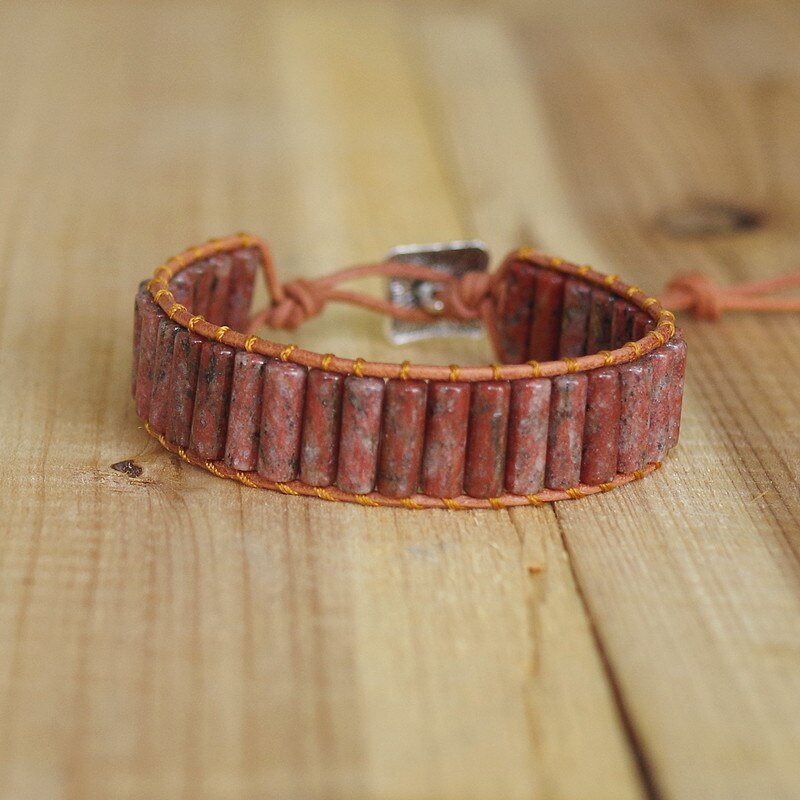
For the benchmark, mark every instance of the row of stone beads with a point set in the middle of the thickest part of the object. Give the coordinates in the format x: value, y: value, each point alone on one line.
x: 219, y: 287
x: 443, y: 438
x: 545, y: 315
x: 509, y: 431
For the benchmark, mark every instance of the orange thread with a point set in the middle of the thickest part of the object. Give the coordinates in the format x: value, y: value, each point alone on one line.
x: 572, y: 364
x: 358, y: 367
x: 454, y: 372
x: 637, y: 350
x: 608, y: 358
x: 412, y: 504
x: 404, y: 369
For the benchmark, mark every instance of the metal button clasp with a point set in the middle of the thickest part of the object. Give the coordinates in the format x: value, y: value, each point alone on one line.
x: 452, y: 258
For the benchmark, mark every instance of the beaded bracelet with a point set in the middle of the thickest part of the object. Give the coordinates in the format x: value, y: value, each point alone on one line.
x: 586, y: 394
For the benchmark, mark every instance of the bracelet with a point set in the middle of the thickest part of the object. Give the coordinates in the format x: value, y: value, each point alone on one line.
x: 586, y: 394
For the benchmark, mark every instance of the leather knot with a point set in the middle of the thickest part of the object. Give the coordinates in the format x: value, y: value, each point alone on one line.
x: 302, y: 299
x: 463, y: 297
x: 696, y: 293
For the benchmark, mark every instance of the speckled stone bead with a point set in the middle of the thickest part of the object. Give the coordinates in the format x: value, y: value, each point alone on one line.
x: 281, y: 420
x: 601, y: 426
x: 445, y: 438
x: 598, y: 335
x: 642, y: 323
x: 565, y: 434
x: 635, y: 380
x: 515, y: 313
x: 182, y: 386
x: 151, y: 316
x: 677, y: 346
x: 244, y: 417
x: 546, y: 316
x: 220, y: 293
x: 486, y: 439
x: 362, y: 404
x: 243, y: 273
x: 658, y: 422
x: 574, y: 320
x: 319, y: 449
x: 203, y: 288
x: 162, y: 373
x: 527, y: 435
x: 402, y: 437
x: 182, y: 288
x: 621, y: 323
x: 209, y: 419
x: 141, y: 294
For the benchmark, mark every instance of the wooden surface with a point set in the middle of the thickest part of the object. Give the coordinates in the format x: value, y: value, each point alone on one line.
x: 179, y: 636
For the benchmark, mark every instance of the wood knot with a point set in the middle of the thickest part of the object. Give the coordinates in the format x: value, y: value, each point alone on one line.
x: 128, y: 467
x: 709, y: 218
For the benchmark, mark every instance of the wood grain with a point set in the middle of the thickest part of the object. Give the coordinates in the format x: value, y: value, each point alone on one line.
x: 174, y: 635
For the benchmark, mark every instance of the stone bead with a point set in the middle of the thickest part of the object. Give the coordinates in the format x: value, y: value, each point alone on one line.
x: 182, y: 386
x: 210, y: 416
x: 621, y: 323
x: 601, y: 426
x: 641, y: 325
x: 243, y: 274
x: 598, y: 335
x: 162, y: 375
x: 402, y: 437
x: 319, y: 447
x: 182, y: 288
x: 565, y: 434
x: 486, y: 439
x: 445, y: 438
x: 515, y: 313
x: 244, y: 417
x: 635, y: 379
x: 281, y: 420
x: 574, y: 319
x: 677, y: 346
x: 141, y: 294
x: 546, y: 316
x: 151, y: 316
x: 527, y: 435
x: 203, y: 287
x: 217, y: 313
x: 660, y: 361
x: 362, y: 404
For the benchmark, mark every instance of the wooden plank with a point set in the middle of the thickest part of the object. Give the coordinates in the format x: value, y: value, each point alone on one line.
x: 691, y: 577
x: 174, y: 634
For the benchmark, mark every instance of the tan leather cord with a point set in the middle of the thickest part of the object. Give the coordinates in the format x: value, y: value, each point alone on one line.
x: 696, y: 293
x: 415, y: 501
x: 306, y: 297
x: 468, y: 297
x: 463, y: 298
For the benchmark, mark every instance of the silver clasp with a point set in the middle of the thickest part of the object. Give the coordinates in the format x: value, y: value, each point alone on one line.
x: 453, y: 258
